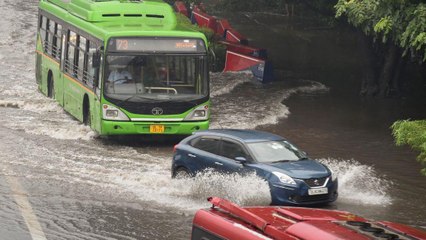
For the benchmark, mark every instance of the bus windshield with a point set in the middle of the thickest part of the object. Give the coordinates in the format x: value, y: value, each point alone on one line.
x: 138, y: 78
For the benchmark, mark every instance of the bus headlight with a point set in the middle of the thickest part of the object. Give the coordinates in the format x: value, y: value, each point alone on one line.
x: 200, y: 113
x: 113, y: 113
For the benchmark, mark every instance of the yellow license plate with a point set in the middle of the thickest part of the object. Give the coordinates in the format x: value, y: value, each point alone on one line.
x: 156, y: 128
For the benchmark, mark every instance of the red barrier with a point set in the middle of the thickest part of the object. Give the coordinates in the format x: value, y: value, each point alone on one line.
x: 245, y: 49
x: 181, y: 8
x: 203, y: 19
x: 260, y: 68
x: 239, y: 56
x: 232, y: 35
x: 222, y: 25
x: 238, y: 62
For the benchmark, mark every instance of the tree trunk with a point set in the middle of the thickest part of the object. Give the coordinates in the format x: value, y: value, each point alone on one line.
x: 396, y: 87
x: 369, y: 85
x: 386, y: 78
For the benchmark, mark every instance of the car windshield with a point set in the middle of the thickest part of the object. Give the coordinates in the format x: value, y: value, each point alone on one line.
x: 275, y: 151
x: 138, y: 78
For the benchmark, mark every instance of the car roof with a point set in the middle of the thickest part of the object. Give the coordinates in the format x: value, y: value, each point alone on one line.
x: 244, y: 135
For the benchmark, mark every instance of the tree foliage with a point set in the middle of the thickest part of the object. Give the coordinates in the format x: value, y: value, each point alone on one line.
x: 186, y: 22
x: 250, y: 5
x: 412, y: 133
x: 401, y: 21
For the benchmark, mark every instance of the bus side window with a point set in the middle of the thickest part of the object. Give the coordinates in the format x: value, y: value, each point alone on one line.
x: 70, y: 57
x: 93, y: 69
x: 82, y: 59
x: 50, y: 34
x: 43, y: 28
x: 56, y: 49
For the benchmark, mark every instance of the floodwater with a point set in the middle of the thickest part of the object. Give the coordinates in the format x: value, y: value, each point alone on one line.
x: 81, y: 186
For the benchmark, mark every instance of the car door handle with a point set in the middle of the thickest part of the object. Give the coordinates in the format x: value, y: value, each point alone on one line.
x: 218, y: 163
x: 191, y: 155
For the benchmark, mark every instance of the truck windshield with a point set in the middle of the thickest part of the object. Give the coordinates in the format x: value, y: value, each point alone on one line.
x: 141, y: 77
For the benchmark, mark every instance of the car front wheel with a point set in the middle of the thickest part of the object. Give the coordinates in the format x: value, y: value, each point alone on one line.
x: 182, y: 173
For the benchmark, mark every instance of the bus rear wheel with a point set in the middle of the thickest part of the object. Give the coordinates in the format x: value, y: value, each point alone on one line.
x: 50, y: 86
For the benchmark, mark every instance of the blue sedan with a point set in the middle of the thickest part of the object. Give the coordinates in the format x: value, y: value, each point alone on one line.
x: 293, y: 178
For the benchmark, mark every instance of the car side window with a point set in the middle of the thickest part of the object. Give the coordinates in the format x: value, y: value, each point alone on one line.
x: 232, y: 150
x: 210, y: 145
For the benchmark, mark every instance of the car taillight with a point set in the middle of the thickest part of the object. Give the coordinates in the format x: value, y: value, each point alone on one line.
x: 174, y: 148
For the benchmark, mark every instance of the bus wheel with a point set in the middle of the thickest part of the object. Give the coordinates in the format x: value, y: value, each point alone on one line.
x: 86, y: 112
x: 50, y: 86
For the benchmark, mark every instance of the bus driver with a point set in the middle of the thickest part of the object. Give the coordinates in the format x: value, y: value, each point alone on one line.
x: 119, y: 75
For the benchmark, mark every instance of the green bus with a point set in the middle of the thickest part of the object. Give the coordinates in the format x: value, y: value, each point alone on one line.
x: 123, y: 66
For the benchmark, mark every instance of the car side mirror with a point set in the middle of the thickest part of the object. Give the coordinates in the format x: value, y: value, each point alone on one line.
x: 241, y: 160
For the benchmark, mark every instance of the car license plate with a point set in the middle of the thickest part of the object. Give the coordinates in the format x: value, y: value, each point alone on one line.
x: 317, y: 191
x: 156, y: 128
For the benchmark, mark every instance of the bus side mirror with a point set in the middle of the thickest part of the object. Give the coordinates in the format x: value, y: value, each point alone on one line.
x: 96, y: 59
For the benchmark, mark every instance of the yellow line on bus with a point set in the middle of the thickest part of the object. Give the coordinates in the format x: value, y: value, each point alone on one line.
x: 66, y: 75
x: 50, y: 58
x: 77, y: 82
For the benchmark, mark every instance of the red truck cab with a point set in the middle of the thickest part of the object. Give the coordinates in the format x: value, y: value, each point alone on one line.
x: 226, y: 220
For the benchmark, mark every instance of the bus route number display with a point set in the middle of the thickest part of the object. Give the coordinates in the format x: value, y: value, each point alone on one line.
x: 157, y: 45
x: 122, y: 44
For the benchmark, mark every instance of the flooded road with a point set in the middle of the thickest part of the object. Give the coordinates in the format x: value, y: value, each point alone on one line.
x: 80, y: 186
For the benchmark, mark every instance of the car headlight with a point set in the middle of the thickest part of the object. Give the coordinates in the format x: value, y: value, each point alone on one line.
x: 284, y: 178
x: 113, y: 113
x: 199, y: 113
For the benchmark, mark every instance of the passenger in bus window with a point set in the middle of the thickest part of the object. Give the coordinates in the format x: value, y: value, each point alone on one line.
x: 119, y: 75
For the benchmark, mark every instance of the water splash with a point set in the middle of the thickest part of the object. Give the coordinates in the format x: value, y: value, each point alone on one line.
x: 11, y: 103
x: 256, y: 104
x: 223, y: 83
x: 46, y: 117
x: 42, y: 106
x: 359, y: 183
x: 74, y: 132
x: 191, y: 193
x: 242, y: 190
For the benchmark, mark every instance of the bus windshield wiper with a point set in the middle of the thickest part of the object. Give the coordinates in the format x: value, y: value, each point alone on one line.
x: 191, y: 101
x: 137, y: 96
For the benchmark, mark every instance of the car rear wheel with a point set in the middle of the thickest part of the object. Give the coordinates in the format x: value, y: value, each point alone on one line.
x: 181, y: 173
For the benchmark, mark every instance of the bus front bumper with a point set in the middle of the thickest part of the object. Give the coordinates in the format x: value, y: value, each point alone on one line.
x: 124, y: 128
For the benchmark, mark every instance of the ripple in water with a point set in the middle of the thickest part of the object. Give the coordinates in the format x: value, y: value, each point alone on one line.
x: 359, y: 183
